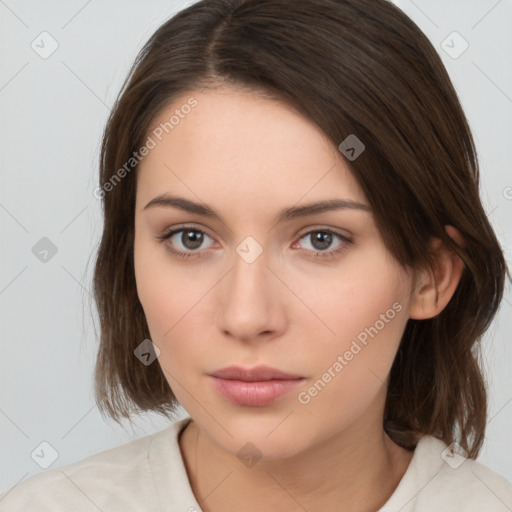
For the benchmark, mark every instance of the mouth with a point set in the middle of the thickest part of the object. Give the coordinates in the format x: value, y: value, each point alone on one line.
x: 257, y: 374
x: 255, y: 387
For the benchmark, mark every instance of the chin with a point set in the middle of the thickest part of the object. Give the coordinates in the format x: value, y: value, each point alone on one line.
x: 263, y: 438
x: 262, y: 449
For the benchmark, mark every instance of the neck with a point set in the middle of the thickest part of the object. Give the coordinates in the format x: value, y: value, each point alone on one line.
x: 358, y: 468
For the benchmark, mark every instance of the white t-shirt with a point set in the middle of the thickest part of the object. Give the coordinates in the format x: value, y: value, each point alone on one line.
x: 148, y: 475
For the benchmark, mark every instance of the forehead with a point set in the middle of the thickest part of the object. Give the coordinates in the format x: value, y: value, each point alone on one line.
x: 238, y: 146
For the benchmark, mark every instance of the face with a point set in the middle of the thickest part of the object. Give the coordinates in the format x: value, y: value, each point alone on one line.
x: 313, y: 294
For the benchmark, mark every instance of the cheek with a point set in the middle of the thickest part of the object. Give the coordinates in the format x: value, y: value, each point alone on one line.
x: 160, y: 288
x: 369, y: 289
x: 366, y: 314
x: 351, y: 370
x: 171, y: 298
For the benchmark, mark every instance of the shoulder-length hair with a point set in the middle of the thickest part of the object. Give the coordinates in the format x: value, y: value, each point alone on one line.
x: 353, y: 67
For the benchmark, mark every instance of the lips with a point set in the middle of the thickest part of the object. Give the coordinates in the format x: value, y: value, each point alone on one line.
x: 256, y: 387
x: 257, y: 374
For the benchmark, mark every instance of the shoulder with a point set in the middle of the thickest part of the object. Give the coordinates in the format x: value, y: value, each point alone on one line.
x: 472, y: 487
x: 440, y: 478
x: 112, y: 480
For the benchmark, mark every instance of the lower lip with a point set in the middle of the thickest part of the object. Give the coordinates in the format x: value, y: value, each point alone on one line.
x: 254, y: 394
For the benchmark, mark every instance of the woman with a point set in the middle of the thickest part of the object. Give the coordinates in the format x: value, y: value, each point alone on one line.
x: 295, y: 251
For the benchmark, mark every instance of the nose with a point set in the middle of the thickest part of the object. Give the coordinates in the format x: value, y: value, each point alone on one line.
x: 250, y: 305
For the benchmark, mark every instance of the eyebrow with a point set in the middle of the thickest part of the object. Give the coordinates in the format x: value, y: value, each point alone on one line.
x: 294, y: 212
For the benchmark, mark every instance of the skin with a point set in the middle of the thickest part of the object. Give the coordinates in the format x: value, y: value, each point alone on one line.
x: 247, y: 158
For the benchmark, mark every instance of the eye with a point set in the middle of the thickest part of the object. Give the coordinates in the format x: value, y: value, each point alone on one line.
x: 185, y: 241
x: 321, y: 241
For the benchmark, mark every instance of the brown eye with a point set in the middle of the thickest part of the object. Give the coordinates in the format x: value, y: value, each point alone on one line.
x: 321, y: 242
x: 184, y: 241
x: 191, y: 239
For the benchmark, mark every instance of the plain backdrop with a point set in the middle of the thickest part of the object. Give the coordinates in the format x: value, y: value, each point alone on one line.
x: 52, y: 112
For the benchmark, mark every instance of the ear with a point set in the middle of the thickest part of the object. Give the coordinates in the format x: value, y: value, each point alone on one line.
x: 433, y: 290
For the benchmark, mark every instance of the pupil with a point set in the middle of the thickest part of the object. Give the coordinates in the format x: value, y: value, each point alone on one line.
x: 324, y: 238
x: 192, y: 239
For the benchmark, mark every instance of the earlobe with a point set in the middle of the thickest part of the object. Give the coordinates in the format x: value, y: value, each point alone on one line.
x: 434, y: 288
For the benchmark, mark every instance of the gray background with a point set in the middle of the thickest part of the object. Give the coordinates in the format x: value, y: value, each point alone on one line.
x: 52, y: 113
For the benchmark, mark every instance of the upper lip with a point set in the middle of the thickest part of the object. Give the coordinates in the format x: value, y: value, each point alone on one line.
x: 259, y: 373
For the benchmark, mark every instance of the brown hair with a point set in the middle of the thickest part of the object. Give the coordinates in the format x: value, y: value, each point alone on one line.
x: 353, y: 67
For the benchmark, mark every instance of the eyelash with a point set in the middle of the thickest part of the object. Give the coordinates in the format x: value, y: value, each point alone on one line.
x: 321, y: 254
